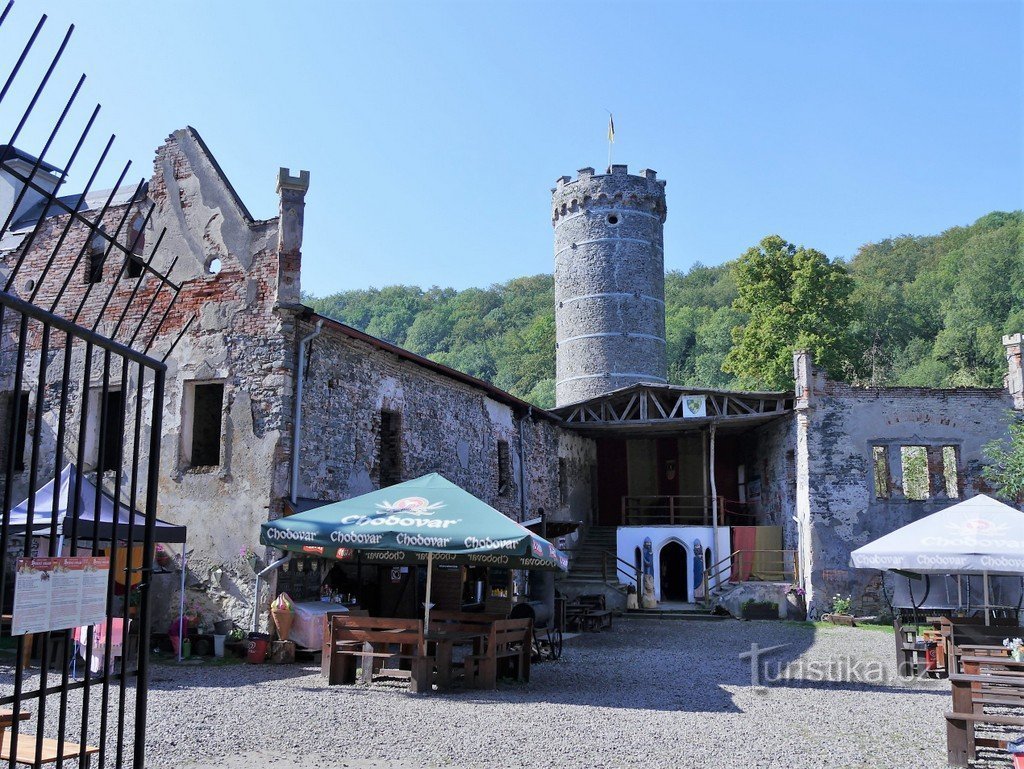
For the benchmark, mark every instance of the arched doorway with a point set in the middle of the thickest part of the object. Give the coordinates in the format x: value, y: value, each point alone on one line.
x: 674, y: 573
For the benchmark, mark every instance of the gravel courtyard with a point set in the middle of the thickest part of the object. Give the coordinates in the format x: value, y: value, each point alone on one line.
x: 646, y: 693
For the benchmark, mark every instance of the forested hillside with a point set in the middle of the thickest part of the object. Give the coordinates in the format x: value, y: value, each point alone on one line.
x: 925, y: 311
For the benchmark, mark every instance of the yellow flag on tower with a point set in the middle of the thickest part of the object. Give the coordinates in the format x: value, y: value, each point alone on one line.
x: 611, y: 128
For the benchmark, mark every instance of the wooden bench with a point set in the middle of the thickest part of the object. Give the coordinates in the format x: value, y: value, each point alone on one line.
x: 598, y: 619
x: 371, y: 639
x: 28, y: 746
x: 508, y: 642
x: 988, y: 680
x: 325, y: 644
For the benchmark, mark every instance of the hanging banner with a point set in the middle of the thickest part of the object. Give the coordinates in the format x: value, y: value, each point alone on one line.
x: 59, y: 593
x: 695, y: 406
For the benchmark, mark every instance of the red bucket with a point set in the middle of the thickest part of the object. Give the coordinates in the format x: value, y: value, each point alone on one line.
x: 1018, y: 761
x: 258, y: 643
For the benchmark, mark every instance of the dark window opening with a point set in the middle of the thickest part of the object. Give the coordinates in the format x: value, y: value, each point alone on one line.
x: 112, y: 415
x: 949, y: 471
x: 915, y: 471
x: 390, y: 448
x: 613, y: 219
x: 504, y: 468
x: 136, y: 243
x: 94, y: 267
x: 880, y: 460
x: 563, y: 483
x: 207, y: 410
x: 16, y: 416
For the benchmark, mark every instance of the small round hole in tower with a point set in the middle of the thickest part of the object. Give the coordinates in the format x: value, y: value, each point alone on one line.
x: 612, y: 219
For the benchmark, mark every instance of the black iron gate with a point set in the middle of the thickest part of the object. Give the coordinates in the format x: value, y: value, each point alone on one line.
x: 81, y: 399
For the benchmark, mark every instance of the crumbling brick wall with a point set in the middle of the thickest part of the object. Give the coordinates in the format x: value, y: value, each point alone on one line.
x: 224, y: 326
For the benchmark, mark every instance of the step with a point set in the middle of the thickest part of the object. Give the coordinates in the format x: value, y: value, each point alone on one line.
x: 691, y: 616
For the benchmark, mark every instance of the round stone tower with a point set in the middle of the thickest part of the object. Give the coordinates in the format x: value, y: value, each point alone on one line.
x: 609, y: 282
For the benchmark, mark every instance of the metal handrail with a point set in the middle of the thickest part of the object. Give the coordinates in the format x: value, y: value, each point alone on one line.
x: 633, y: 574
x: 713, y: 573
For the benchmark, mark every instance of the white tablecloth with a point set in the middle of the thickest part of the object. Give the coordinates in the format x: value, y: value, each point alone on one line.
x: 310, y: 621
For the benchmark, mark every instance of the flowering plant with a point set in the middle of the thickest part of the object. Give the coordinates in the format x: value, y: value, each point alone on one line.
x: 796, y: 590
x: 841, y: 605
x: 193, y: 611
x: 247, y: 554
x: 1016, y: 647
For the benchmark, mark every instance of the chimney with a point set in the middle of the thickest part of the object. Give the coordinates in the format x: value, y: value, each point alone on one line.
x: 1014, y: 379
x: 292, y: 190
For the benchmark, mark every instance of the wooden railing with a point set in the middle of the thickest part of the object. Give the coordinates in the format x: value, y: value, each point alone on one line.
x: 667, y: 510
x: 694, y: 510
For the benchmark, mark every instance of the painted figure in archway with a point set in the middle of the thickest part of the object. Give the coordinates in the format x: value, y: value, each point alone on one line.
x: 648, y: 601
x: 698, y: 570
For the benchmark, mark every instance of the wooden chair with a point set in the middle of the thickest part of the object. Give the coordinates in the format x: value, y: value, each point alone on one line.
x: 28, y: 746
x: 910, y: 653
x: 508, y: 641
x: 371, y: 640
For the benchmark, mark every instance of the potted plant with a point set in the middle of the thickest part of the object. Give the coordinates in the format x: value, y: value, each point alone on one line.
x: 760, y: 610
x: 134, y: 601
x: 840, y: 614
x: 796, y: 608
x: 163, y: 558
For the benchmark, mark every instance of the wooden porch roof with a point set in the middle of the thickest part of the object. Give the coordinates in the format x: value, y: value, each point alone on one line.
x: 661, y: 408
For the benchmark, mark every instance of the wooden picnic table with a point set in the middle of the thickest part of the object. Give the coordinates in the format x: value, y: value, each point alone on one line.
x: 989, y: 679
x: 444, y: 639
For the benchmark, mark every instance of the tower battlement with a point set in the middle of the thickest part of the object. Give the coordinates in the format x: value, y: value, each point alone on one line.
x: 609, y: 281
x: 643, y: 191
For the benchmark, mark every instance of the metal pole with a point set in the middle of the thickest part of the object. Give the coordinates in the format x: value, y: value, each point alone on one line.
x: 988, y: 608
x: 426, y: 604
x: 300, y: 378
x: 181, y: 602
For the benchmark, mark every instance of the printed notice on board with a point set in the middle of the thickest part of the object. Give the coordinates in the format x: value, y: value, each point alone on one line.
x: 59, y: 593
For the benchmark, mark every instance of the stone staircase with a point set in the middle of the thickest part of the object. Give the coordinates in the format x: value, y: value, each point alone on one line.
x: 586, y: 569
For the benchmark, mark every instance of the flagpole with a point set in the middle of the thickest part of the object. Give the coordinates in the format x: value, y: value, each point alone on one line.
x: 611, y: 139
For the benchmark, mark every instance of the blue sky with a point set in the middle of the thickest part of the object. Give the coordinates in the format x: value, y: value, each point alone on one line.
x: 434, y: 131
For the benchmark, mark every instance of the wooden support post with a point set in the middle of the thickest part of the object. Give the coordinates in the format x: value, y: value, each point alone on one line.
x: 714, y: 500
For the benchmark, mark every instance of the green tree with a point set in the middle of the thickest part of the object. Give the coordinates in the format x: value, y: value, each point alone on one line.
x: 1005, y: 469
x: 794, y: 298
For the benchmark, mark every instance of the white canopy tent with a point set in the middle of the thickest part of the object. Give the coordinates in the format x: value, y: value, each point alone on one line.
x: 979, y: 536
x: 76, y: 507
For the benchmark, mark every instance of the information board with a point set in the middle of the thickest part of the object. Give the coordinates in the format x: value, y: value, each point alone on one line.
x: 59, y: 593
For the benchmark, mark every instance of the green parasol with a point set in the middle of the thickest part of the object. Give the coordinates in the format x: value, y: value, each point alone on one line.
x: 426, y: 520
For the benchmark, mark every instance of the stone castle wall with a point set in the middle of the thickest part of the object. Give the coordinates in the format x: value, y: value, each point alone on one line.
x: 447, y: 426
x: 838, y: 427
